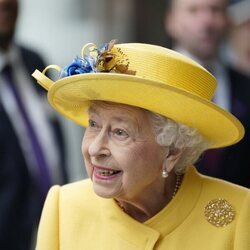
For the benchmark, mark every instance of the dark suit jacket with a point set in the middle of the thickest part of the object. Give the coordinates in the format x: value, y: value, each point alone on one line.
x: 20, y: 205
x: 233, y: 163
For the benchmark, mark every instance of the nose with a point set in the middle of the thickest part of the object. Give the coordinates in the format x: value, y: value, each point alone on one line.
x: 99, y: 146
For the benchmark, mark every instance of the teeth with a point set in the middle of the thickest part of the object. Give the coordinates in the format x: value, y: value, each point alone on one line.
x: 105, y: 172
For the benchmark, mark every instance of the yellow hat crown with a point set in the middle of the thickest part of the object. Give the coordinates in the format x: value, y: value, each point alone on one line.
x: 142, y: 75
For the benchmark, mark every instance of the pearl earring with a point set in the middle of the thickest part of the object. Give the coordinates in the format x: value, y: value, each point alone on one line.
x: 164, y: 173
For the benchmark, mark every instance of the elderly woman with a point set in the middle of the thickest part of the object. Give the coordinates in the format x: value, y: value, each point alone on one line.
x: 148, y: 118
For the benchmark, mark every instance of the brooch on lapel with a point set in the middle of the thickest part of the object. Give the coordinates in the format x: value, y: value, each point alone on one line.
x: 219, y: 212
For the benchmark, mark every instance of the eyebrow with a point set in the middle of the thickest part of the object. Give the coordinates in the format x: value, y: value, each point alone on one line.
x: 93, y: 109
x: 120, y: 118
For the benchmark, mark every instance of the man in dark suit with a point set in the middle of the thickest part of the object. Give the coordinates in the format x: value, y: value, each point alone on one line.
x: 197, y: 28
x: 21, y: 193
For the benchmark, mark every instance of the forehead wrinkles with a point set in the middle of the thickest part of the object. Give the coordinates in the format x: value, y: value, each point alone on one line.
x: 128, y: 114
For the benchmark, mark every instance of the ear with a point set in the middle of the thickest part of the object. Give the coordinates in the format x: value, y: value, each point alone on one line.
x: 171, y: 159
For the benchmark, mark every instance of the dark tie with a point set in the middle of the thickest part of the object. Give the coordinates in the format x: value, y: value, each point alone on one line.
x: 43, y: 177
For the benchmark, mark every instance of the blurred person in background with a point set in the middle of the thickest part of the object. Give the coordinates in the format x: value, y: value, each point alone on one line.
x: 238, y: 45
x: 198, y: 28
x: 31, y: 142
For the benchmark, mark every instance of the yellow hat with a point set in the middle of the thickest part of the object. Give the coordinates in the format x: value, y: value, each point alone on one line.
x: 146, y: 76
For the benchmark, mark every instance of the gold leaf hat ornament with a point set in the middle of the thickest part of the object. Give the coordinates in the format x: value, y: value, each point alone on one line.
x: 219, y: 212
x: 102, y: 59
x: 142, y: 75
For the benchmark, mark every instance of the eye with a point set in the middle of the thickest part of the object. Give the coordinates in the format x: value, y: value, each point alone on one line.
x: 92, y: 124
x: 120, y: 133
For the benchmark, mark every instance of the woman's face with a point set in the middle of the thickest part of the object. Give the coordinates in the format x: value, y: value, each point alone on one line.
x: 121, y: 155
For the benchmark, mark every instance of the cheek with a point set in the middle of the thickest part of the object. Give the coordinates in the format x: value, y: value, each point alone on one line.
x: 87, y: 139
x: 86, y: 157
x: 134, y: 155
x: 84, y: 146
x: 141, y: 158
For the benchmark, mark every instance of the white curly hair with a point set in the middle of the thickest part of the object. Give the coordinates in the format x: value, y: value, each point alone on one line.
x: 178, y: 136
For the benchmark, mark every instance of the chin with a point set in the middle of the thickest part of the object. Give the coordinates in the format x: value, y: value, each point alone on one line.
x: 106, y: 192
x: 105, y: 196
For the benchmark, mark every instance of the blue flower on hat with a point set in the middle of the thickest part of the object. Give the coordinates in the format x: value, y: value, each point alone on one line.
x: 78, y: 66
x: 100, y: 59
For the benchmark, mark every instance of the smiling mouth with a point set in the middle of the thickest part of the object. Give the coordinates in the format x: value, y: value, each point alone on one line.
x: 107, y: 172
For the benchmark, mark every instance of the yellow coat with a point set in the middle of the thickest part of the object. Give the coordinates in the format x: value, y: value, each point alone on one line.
x: 75, y: 218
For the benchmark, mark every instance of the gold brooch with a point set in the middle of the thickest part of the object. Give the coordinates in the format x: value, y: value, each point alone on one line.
x: 219, y: 212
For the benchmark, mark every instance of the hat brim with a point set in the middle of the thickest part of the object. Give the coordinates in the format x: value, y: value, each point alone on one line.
x: 71, y: 97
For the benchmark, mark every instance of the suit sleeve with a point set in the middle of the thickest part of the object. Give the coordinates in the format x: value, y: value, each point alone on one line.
x: 48, y: 231
x: 242, y: 235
